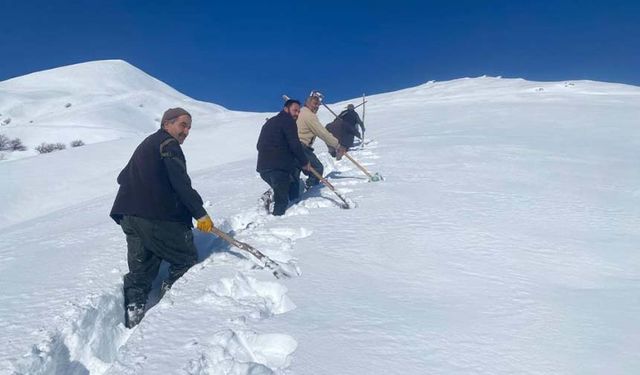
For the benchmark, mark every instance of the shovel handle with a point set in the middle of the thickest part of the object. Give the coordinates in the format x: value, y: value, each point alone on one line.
x: 241, y: 245
x: 330, y: 110
x: 324, y: 180
x: 334, y: 114
x: 328, y: 184
x: 363, y: 169
x: 269, y: 263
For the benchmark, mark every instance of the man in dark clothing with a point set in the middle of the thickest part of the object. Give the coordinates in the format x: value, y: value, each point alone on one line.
x: 280, y: 156
x: 345, y: 128
x: 155, y: 206
x: 351, y: 116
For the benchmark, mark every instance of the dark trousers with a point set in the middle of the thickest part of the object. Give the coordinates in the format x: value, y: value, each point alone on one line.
x: 285, y: 186
x: 149, y: 242
x: 315, y: 163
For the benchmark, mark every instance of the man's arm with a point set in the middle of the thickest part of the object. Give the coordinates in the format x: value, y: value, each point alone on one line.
x: 318, y: 130
x: 351, y: 129
x: 180, y: 181
x: 359, y: 122
x: 356, y: 133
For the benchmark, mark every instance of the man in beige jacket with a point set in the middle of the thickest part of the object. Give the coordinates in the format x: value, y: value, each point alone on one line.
x: 309, y: 127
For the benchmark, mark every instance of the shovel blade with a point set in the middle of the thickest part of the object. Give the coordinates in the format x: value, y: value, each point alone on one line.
x: 376, y: 177
x: 282, y: 270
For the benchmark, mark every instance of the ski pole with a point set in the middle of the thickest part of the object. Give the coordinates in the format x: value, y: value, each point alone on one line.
x: 363, y: 101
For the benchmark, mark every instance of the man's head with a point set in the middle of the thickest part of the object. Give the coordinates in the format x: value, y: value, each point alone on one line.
x: 350, y: 107
x: 313, y: 103
x: 177, y: 122
x: 292, y: 107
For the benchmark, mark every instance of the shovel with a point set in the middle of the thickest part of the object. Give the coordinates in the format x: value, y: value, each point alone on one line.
x: 344, y: 204
x: 279, y: 270
x: 373, y: 178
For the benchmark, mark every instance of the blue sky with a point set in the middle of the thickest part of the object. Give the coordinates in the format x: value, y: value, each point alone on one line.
x: 244, y: 55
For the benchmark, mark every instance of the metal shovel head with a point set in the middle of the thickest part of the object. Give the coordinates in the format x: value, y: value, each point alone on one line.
x: 282, y: 270
x: 346, y: 203
x: 376, y: 177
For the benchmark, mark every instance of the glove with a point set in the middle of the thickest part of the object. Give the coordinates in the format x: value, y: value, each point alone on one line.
x: 205, y: 224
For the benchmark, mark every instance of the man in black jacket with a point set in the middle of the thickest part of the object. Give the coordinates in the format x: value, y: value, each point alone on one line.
x: 280, y: 156
x: 155, y: 206
x: 351, y: 116
x: 345, y: 128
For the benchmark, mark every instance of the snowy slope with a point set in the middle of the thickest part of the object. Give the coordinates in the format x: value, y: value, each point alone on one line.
x: 503, y: 240
x: 94, y: 102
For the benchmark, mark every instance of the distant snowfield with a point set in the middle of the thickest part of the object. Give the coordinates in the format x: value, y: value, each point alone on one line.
x: 503, y: 240
x: 94, y: 102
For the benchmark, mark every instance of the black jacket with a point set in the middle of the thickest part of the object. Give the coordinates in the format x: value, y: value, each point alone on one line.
x: 352, y: 117
x: 279, y: 146
x: 155, y: 184
x: 344, y: 130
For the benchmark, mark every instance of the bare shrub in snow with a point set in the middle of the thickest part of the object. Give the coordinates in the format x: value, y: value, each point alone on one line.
x: 6, y: 121
x: 16, y: 145
x: 67, y: 105
x: 77, y: 143
x: 7, y: 144
x: 4, y: 142
x: 46, y: 148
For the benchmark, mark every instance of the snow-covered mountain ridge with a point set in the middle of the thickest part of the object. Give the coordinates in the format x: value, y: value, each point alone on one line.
x: 94, y: 102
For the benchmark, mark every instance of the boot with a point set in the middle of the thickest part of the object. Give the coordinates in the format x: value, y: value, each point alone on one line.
x: 134, y: 314
x: 164, y: 288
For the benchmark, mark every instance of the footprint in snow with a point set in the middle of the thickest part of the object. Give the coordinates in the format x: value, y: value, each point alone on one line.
x: 243, y: 353
x: 258, y: 299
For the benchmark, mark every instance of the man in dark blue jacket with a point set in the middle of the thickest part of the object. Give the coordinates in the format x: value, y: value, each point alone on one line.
x: 155, y: 206
x: 280, y: 156
x: 345, y: 128
x: 351, y: 117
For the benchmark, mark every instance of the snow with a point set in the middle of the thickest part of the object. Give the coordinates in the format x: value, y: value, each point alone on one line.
x: 94, y: 102
x: 502, y: 240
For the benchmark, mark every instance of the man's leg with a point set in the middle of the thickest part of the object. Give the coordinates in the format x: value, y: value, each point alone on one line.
x: 316, y: 164
x: 173, y: 242
x: 279, y: 182
x: 294, y: 186
x: 143, y: 268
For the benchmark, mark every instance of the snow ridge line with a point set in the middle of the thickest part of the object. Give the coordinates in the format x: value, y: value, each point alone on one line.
x: 91, y: 334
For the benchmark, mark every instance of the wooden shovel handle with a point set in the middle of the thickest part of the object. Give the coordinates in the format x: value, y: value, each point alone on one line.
x: 238, y: 244
x: 358, y: 165
x: 324, y: 180
x: 330, y: 110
